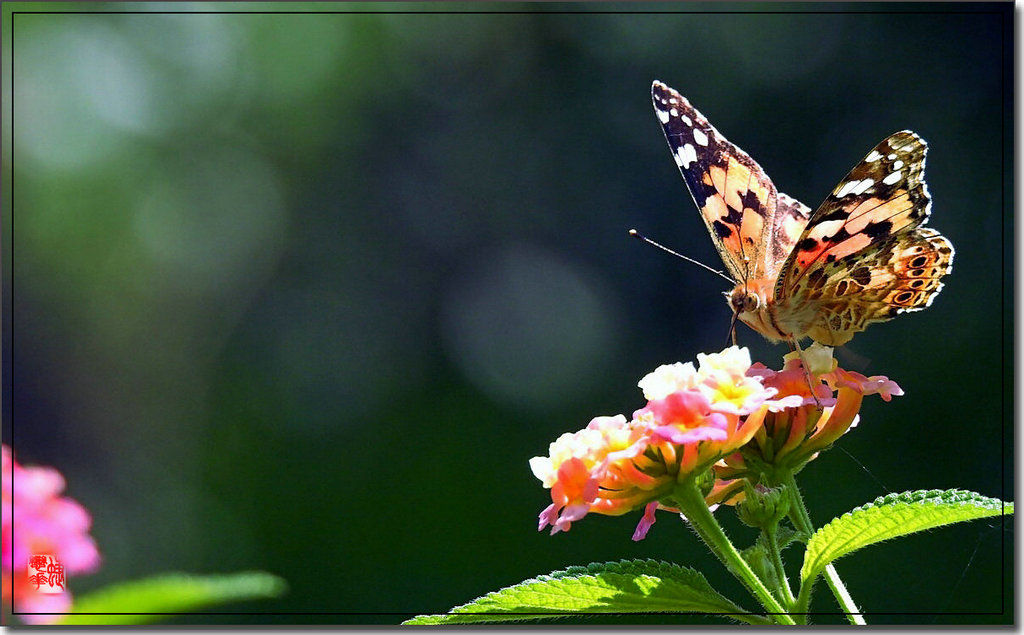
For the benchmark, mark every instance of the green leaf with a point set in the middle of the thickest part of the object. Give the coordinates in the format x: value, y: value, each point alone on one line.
x: 759, y: 560
x: 628, y: 586
x: 786, y: 535
x: 893, y: 516
x: 136, y: 602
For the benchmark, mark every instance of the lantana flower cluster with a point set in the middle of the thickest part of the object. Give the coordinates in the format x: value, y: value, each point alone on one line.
x: 725, y: 420
x: 37, y: 521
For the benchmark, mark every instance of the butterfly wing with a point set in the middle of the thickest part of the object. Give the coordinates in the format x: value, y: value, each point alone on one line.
x: 737, y: 200
x: 791, y: 218
x: 863, y: 256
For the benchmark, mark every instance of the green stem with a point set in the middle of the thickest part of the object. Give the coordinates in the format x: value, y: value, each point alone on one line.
x: 692, y: 504
x: 802, y: 521
x: 839, y: 590
x: 776, y: 556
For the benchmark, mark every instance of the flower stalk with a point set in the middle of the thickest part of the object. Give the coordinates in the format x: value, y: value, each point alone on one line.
x: 801, y: 519
x: 771, y: 534
x: 691, y: 503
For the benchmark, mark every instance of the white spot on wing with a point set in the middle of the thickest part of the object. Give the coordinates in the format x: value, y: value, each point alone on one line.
x: 828, y: 228
x: 687, y: 120
x: 863, y: 186
x: 674, y: 112
x: 663, y: 116
x: 700, y: 137
x: 685, y: 155
x: 891, y: 157
x: 874, y: 156
x: 897, y: 165
x: 846, y: 188
x: 892, y: 178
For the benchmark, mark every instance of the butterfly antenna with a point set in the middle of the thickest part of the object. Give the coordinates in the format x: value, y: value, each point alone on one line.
x: 647, y: 240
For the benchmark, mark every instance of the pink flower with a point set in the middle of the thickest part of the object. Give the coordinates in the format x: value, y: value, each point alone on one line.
x: 795, y: 435
x: 876, y: 384
x: 684, y: 417
x: 646, y: 522
x: 37, y: 520
x: 725, y: 415
x: 693, y: 418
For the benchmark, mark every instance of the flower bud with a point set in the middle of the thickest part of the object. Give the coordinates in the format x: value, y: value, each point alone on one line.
x: 763, y: 507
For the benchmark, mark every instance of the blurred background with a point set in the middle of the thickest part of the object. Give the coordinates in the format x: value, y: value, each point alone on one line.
x: 305, y: 292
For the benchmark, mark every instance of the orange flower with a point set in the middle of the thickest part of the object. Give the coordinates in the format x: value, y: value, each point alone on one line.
x: 737, y: 419
x: 693, y: 418
x: 793, y: 436
x: 578, y: 462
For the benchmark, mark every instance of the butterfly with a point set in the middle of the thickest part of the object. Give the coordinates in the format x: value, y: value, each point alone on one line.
x: 862, y: 257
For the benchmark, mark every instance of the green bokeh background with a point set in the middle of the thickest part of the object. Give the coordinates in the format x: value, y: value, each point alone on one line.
x: 305, y: 292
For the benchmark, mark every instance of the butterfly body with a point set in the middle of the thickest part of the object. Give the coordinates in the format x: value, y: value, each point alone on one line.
x: 861, y: 257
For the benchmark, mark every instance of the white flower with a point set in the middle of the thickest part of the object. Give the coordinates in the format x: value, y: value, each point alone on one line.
x: 817, y: 359
x: 667, y: 379
x: 734, y: 360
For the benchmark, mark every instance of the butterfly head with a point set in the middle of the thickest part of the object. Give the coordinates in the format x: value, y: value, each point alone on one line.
x: 750, y: 302
x: 743, y: 299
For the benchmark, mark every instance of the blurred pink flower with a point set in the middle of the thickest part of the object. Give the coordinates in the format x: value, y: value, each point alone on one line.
x: 37, y: 520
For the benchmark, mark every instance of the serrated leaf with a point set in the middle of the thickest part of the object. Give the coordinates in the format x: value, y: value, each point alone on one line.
x: 758, y: 559
x: 786, y: 535
x: 893, y: 516
x: 142, y: 601
x: 628, y: 586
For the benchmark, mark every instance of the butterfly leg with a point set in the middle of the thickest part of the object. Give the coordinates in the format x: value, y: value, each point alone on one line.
x: 807, y: 374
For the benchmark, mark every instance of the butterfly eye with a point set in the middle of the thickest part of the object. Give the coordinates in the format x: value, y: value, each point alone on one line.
x: 751, y: 302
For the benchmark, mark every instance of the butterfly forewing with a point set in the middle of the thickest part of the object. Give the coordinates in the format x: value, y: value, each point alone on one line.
x: 736, y: 199
x: 788, y: 225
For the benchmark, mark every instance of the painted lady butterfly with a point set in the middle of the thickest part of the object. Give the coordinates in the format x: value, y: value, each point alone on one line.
x: 862, y: 257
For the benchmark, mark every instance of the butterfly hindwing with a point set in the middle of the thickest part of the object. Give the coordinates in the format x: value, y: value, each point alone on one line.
x: 894, y: 276
x: 736, y: 199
